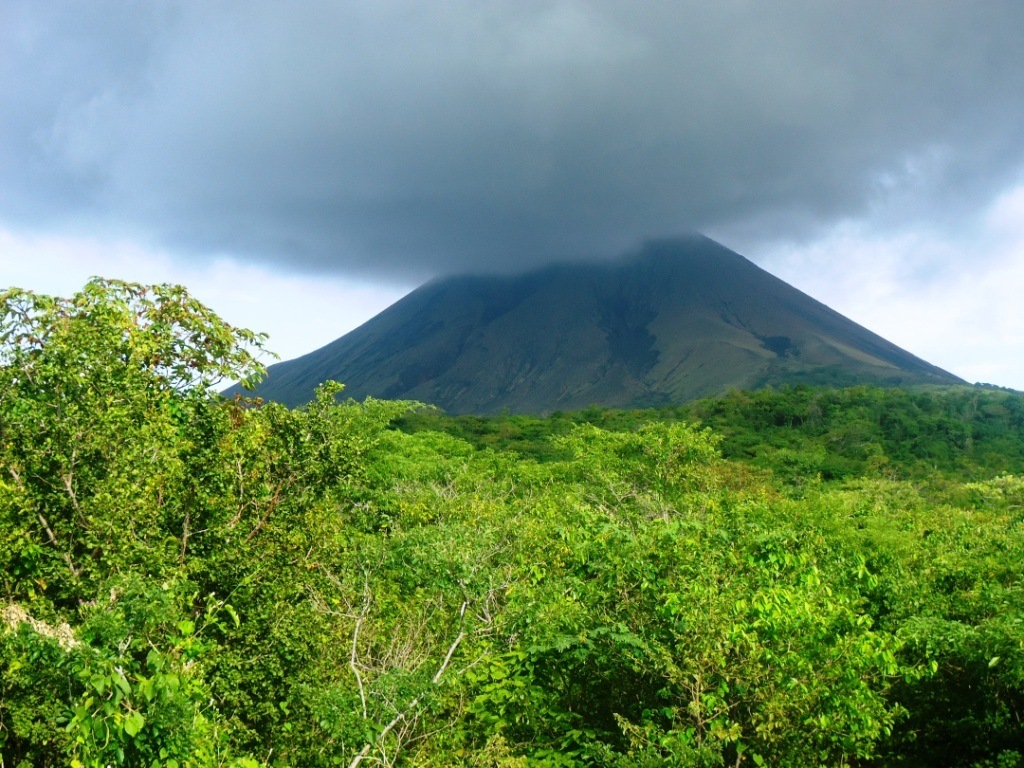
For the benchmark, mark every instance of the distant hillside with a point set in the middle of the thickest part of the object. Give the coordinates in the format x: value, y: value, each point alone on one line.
x: 970, y: 432
x: 681, y: 319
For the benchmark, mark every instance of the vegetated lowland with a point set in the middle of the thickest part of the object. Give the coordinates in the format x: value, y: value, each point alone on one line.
x: 801, y: 577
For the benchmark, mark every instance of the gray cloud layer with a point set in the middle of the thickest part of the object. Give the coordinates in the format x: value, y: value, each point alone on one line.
x: 404, y: 139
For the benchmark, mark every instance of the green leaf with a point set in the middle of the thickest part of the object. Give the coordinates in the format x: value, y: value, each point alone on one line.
x: 100, y: 682
x: 133, y: 723
x: 122, y: 683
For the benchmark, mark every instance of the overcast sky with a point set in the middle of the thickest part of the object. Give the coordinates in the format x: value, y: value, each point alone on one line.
x: 301, y: 165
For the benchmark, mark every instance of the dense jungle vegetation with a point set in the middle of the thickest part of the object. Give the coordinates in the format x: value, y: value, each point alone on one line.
x: 792, y: 578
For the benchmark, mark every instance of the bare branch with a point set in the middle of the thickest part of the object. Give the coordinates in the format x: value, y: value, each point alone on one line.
x: 411, y: 708
x: 69, y: 486
x: 53, y: 540
x: 353, y: 658
x: 266, y: 515
x: 184, y: 535
x: 448, y: 658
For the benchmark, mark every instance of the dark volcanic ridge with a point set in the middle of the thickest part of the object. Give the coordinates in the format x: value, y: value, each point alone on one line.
x: 681, y: 319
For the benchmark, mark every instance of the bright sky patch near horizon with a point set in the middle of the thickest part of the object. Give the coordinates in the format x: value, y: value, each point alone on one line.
x: 302, y: 166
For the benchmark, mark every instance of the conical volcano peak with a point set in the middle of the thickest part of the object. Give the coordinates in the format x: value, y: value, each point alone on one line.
x: 677, y: 319
x: 691, y: 249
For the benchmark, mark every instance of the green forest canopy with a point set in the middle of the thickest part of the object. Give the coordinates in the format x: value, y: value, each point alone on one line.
x: 799, y: 577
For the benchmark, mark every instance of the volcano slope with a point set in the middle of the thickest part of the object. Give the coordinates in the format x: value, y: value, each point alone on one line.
x: 678, y: 320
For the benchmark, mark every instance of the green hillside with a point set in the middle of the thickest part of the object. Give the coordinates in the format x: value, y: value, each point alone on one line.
x: 801, y: 577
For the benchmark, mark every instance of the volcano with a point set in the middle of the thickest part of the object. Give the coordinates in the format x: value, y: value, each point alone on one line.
x: 678, y: 320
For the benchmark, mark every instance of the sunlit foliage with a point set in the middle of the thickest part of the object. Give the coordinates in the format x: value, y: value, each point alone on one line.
x: 791, y: 578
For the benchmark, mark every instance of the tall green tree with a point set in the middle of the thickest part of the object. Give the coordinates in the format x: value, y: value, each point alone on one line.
x: 95, y: 392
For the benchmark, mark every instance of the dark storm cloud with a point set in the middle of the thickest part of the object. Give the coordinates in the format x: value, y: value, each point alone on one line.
x: 410, y: 139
